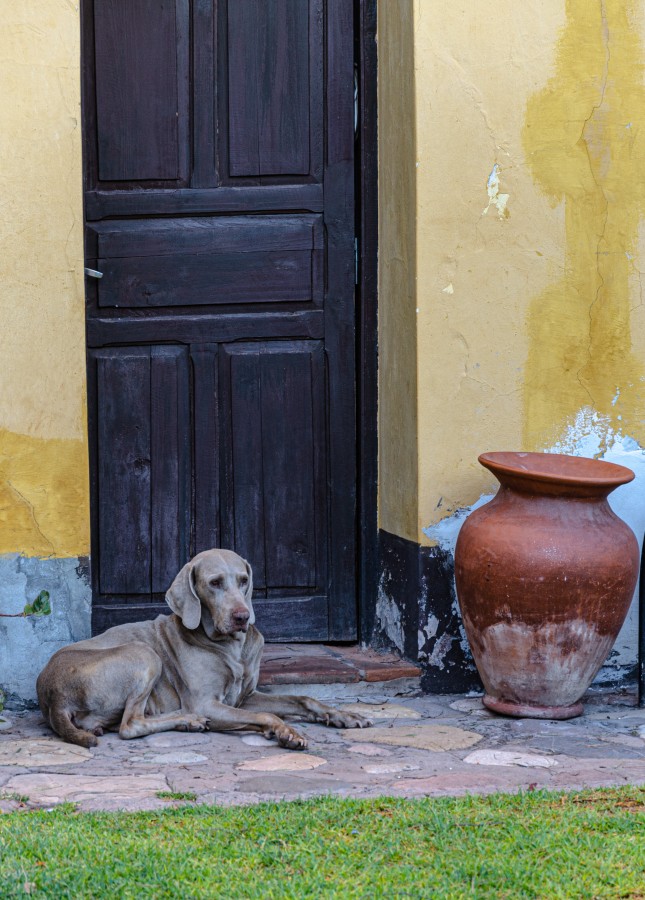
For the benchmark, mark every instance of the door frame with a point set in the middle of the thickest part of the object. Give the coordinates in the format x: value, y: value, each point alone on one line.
x: 366, y: 205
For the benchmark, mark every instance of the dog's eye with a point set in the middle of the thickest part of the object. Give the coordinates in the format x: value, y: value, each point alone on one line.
x: 243, y: 580
x: 216, y: 582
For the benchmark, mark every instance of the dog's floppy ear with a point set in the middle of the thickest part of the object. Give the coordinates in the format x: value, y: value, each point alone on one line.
x: 182, y: 598
x: 248, y: 593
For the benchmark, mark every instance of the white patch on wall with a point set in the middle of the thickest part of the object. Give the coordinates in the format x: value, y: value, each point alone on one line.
x: 428, y: 631
x: 495, y: 198
x: 441, y: 647
x: 26, y: 644
x: 446, y: 532
x: 592, y: 435
x: 388, y: 614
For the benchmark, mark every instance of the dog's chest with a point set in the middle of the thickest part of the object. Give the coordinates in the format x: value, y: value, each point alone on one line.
x: 233, y: 682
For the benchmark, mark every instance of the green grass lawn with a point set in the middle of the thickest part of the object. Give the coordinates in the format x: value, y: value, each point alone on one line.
x: 546, y: 845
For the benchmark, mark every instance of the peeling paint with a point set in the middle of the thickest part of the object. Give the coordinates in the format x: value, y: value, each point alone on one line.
x: 499, y: 201
x: 388, y: 615
x: 441, y: 649
x: 428, y: 631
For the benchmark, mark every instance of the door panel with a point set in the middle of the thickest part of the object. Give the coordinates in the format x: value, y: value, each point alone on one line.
x: 123, y: 382
x: 170, y: 464
x: 268, y: 87
x: 142, y: 89
x: 273, y: 432
x: 142, y: 468
x: 206, y: 261
x: 220, y: 211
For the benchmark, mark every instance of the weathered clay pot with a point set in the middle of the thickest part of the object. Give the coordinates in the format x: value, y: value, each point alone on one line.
x: 545, y: 575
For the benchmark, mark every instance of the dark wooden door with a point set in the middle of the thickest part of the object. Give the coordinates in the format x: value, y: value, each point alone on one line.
x: 219, y: 200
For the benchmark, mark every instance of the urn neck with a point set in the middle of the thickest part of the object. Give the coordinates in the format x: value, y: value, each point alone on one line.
x: 556, y: 475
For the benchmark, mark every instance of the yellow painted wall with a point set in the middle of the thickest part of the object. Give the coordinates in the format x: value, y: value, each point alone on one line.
x: 529, y: 190
x: 44, y: 508
x: 512, y: 196
x: 398, y: 458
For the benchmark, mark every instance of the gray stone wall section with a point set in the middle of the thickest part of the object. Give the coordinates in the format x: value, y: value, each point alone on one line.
x: 27, y: 644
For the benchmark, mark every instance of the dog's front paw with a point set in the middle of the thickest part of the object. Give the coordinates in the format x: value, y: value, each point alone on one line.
x: 288, y: 737
x: 194, y: 723
x: 292, y: 739
x: 340, y: 719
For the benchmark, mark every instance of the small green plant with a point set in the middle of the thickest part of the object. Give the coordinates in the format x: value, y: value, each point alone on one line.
x: 12, y: 795
x: 38, y: 607
x: 176, y: 795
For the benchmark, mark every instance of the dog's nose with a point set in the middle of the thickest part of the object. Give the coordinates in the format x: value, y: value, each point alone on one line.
x: 241, y: 618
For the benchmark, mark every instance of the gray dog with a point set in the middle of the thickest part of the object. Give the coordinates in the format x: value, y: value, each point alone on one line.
x: 196, y: 670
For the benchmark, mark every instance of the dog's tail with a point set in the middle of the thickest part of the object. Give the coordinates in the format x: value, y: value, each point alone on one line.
x: 61, y: 721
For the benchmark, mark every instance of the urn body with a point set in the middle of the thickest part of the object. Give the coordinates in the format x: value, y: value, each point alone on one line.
x: 545, y: 574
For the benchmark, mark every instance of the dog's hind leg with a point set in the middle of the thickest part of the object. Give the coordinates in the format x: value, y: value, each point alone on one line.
x: 135, y: 723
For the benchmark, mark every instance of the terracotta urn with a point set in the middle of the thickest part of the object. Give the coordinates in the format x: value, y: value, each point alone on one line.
x: 545, y: 575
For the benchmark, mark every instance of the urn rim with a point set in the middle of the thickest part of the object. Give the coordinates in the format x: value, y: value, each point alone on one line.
x: 556, y: 468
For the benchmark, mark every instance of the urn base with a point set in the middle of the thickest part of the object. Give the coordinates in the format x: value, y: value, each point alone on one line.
x: 524, y: 711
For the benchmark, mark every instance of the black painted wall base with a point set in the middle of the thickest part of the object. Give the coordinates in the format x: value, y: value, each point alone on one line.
x: 417, y: 613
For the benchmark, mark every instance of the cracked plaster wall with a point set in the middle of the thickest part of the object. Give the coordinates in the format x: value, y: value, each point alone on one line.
x: 529, y: 196
x: 44, y: 509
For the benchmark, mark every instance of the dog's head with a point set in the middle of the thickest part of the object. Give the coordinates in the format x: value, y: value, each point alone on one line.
x: 214, y: 588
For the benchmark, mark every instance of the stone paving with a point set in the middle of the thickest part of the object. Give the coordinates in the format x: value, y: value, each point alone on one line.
x: 420, y: 746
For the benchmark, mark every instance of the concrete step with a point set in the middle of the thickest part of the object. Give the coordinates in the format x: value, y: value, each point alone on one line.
x: 333, y: 671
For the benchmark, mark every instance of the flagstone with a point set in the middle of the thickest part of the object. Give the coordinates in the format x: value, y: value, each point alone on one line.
x: 456, y: 783
x: 381, y: 710
x: 508, y: 758
x: 389, y: 768
x: 436, y: 738
x: 56, y: 788
x: 179, y: 758
x: 174, y: 739
x: 290, y: 785
x: 467, y: 704
x: 369, y: 750
x: 256, y: 740
x: 41, y: 753
x: 626, y: 740
x: 584, y: 746
x: 293, y: 761
x: 600, y: 773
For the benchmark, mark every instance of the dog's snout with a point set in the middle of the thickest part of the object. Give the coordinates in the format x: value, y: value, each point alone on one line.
x: 241, y: 617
